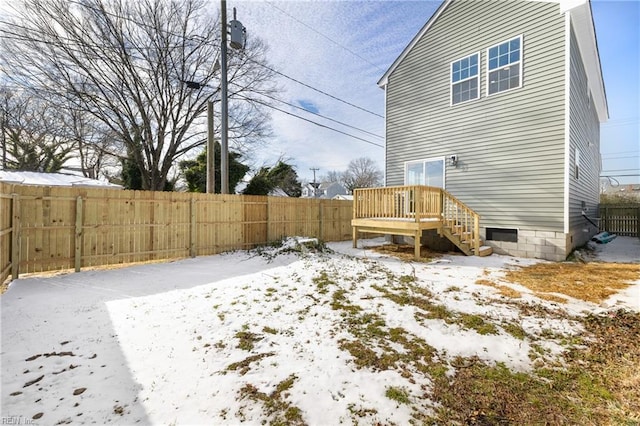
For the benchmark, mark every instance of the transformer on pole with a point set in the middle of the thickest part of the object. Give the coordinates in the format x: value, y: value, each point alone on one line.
x: 238, y: 38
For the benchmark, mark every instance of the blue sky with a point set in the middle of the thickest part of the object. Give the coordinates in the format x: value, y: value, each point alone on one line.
x: 618, y: 32
x: 344, y: 47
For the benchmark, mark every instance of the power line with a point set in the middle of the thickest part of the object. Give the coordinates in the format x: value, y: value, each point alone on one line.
x: 313, y: 122
x: 315, y: 89
x: 325, y: 36
x: 256, y: 62
x: 621, y: 152
x: 622, y: 157
x: 118, y: 16
x: 322, y: 116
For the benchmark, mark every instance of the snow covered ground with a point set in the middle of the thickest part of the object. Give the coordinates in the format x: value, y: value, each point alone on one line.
x: 265, y: 335
x: 619, y: 250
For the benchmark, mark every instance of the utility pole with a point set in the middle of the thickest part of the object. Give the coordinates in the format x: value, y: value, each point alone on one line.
x: 224, y: 141
x: 238, y: 37
x: 211, y: 166
x: 314, y: 184
x: 211, y: 150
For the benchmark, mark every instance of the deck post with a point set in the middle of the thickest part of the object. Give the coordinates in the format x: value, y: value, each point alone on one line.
x: 354, y: 229
x: 355, y: 236
x: 416, y: 248
x: 417, y: 200
x: 476, y: 233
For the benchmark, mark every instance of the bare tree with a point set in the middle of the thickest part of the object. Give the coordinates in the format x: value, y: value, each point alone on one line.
x: 97, y: 148
x: 332, y: 176
x: 362, y: 173
x: 33, y: 134
x: 125, y: 63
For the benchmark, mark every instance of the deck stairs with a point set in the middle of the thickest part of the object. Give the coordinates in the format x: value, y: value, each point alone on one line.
x: 463, y: 241
x: 410, y: 210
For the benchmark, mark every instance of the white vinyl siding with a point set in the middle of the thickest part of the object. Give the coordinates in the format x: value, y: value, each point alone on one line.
x: 465, y: 79
x: 510, y: 147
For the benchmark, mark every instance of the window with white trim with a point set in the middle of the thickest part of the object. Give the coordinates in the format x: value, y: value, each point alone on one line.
x: 465, y: 79
x: 428, y: 172
x: 504, y: 66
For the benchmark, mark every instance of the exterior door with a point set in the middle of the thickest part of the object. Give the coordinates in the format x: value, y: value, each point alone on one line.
x: 428, y: 172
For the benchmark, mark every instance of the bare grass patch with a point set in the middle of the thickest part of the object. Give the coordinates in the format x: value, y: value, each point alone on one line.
x: 406, y: 252
x: 591, y: 282
x: 503, y: 289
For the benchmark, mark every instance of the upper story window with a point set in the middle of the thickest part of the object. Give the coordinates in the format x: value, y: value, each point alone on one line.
x: 504, y: 66
x: 465, y: 79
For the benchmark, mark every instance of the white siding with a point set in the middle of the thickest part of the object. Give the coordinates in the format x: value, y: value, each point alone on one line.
x: 510, y: 145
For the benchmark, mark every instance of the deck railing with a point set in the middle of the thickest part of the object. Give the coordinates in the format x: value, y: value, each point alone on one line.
x: 398, y: 202
x: 461, y: 219
x: 418, y: 203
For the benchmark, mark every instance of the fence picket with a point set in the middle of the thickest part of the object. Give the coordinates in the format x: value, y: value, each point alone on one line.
x: 621, y: 219
x: 67, y: 228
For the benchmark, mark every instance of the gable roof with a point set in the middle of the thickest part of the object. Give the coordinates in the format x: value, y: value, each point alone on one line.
x: 385, y: 77
x: 582, y: 19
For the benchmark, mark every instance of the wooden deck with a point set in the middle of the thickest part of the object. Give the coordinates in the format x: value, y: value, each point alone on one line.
x: 409, y: 210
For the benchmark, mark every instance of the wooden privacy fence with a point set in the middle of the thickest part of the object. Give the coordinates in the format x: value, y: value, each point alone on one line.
x: 53, y: 228
x: 620, y: 219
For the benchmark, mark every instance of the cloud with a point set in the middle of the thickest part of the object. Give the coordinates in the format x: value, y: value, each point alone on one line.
x: 341, y: 48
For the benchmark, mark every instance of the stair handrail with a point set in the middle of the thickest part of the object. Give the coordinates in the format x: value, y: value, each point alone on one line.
x: 464, y: 216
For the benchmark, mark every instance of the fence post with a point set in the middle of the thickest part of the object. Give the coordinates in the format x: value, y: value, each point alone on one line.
x: 78, y: 234
x: 321, y: 225
x: 192, y: 228
x: 15, y: 236
x: 268, y: 219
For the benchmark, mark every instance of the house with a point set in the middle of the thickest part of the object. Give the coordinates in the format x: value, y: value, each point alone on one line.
x: 613, y: 191
x: 500, y: 104
x: 343, y: 197
x: 327, y: 190
x: 53, y: 179
x: 308, y: 191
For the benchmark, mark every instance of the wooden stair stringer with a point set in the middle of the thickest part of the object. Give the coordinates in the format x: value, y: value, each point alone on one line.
x: 464, y: 246
x: 457, y: 241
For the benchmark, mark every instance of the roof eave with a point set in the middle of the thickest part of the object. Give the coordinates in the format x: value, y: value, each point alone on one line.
x: 385, y: 77
x: 582, y: 19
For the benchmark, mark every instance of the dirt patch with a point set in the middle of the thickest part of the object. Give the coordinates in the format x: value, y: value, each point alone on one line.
x: 592, y: 282
x: 503, y: 289
x: 599, y: 383
x: 405, y: 252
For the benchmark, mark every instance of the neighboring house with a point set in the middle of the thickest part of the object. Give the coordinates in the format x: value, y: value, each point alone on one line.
x: 278, y: 192
x: 622, y: 191
x: 53, y: 179
x: 307, y: 191
x: 327, y: 190
x: 500, y: 103
x: 343, y: 197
